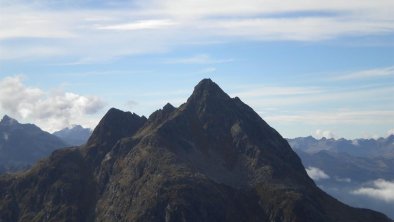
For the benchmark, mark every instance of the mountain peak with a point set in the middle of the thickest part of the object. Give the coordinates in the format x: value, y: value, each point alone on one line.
x: 206, y: 82
x: 74, y: 135
x: 207, y: 91
x: 75, y: 127
x: 8, y: 121
x: 114, y: 125
x: 168, y: 107
x: 209, y: 87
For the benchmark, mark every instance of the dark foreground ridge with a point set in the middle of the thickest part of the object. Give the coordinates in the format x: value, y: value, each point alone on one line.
x: 211, y: 159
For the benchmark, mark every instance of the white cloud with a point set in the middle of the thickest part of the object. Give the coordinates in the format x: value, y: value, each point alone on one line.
x: 355, y: 142
x: 324, y: 133
x: 370, y: 73
x: 188, y: 9
x: 316, y: 173
x: 139, y: 25
x: 51, y: 111
x: 379, y: 189
x: 157, y: 26
x: 390, y: 132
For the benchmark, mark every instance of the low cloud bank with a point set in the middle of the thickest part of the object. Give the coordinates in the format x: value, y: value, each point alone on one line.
x: 378, y: 189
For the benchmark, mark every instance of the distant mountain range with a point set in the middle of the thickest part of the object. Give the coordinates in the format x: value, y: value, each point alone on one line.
x: 344, y: 167
x: 21, y: 145
x: 75, y: 135
x: 357, y: 147
x: 211, y: 159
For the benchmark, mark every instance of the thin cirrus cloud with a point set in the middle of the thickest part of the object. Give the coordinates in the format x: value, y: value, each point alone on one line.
x: 336, y: 117
x: 379, y: 189
x: 139, y: 25
x: 51, y: 111
x: 268, y: 91
x: 156, y: 26
x: 282, y: 96
x: 290, y: 95
x: 197, y: 59
x: 368, y: 74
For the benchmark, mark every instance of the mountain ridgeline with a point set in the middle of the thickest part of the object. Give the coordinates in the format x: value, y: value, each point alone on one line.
x: 21, y: 145
x: 360, y: 160
x: 381, y: 147
x: 74, y: 136
x: 211, y: 159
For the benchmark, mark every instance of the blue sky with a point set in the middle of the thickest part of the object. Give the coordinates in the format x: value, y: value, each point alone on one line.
x: 308, y: 68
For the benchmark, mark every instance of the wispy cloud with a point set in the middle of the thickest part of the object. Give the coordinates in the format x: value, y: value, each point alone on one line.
x: 268, y: 91
x: 139, y: 25
x: 324, y: 133
x: 197, y: 59
x: 279, y: 96
x: 343, y: 180
x: 379, y: 189
x: 336, y: 117
x: 316, y: 173
x: 370, y: 73
x: 157, y: 26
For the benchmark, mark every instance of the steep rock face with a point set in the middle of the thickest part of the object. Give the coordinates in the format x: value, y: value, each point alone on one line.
x: 115, y: 125
x: 211, y: 159
x: 229, y: 134
x: 61, y: 188
x: 21, y: 145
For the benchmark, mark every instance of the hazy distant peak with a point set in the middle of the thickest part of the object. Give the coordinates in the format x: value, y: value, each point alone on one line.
x: 8, y: 121
x: 75, y: 126
x: 74, y: 135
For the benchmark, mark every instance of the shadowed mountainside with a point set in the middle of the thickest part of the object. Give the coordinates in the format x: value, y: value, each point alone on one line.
x: 21, y: 145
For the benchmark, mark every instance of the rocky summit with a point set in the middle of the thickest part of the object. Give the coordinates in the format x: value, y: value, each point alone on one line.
x: 211, y: 159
